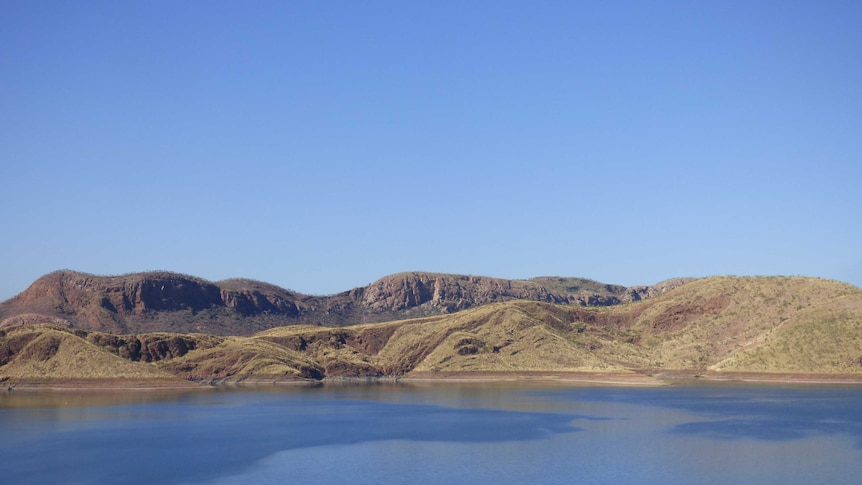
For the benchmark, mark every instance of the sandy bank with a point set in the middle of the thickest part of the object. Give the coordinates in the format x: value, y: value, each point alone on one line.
x: 622, y: 379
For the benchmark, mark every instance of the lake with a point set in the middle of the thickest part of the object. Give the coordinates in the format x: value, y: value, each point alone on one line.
x: 392, y: 433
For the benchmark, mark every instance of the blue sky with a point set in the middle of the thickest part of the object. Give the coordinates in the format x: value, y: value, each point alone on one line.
x: 321, y: 145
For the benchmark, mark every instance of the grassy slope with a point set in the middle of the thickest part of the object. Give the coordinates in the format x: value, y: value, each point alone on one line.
x: 55, y: 353
x: 240, y: 358
x: 823, y: 338
x: 721, y: 324
x: 734, y: 317
x: 511, y: 337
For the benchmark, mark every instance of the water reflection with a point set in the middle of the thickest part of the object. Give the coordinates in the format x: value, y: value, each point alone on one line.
x: 198, y: 436
x: 436, y: 434
x: 79, y: 399
x: 759, y: 428
x: 722, y: 411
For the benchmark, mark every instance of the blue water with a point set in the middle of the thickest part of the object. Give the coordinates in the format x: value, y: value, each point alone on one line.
x: 399, y: 434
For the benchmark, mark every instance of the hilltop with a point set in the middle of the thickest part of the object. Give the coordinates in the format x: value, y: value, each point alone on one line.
x: 163, y: 301
x: 717, y: 327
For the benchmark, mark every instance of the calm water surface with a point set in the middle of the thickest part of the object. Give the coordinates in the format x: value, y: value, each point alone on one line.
x: 399, y: 434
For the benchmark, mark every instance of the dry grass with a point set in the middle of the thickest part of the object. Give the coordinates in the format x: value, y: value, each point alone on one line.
x: 737, y: 315
x: 239, y: 358
x: 721, y: 324
x: 823, y: 339
x: 58, y: 354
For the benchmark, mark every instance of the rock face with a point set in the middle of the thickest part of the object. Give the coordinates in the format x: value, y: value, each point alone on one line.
x: 638, y: 293
x: 162, y: 301
x: 152, y: 347
x: 451, y: 292
x: 719, y: 326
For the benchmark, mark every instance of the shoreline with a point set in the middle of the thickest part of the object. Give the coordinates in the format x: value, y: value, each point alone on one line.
x: 96, y: 385
x: 552, y: 377
x: 612, y: 379
x: 635, y: 379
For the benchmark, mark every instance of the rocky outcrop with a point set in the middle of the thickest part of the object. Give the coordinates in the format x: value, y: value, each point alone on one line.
x: 638, y: 293
x: 163, y: 301
x: 248, y: 298
x: 152, y: 347
x: 449, y: 292
x: 33, y: 319
x: 719, y: 326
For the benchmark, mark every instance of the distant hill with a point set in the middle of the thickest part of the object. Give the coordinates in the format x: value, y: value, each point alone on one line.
x: 719, y: 326
x: 163, y: 301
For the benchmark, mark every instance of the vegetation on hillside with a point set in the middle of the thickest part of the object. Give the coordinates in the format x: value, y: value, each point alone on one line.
x: 715, y: 325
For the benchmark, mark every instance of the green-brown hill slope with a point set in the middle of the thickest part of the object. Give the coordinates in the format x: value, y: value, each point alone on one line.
x: 55, y: 353
x: 716, y: 325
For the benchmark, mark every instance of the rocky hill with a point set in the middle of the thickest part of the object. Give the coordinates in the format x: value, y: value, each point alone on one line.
x: 720, y: 326
x: 162, y: 301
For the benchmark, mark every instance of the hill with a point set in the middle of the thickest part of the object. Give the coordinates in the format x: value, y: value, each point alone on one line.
x: 721, y: 326
x: 162, y: 301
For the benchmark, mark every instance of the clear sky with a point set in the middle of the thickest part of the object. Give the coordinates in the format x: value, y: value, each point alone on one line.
x: 321, y: 145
